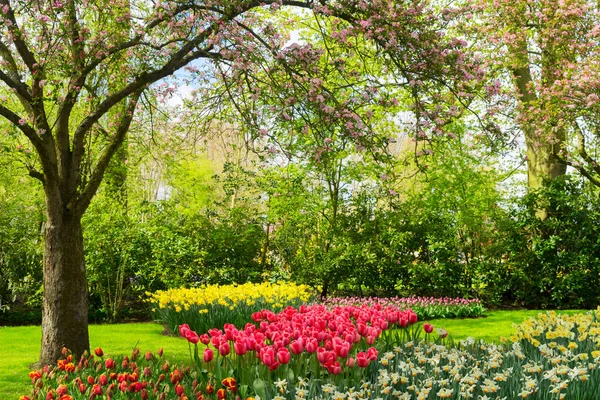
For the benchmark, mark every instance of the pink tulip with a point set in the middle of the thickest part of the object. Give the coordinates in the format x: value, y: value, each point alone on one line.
x: 183, y: 329
x: 268, y: 356
x: 296, y: 346
x: 224, y: 348
x: 208, y: 355
x: 428, y: 328
x: 283, y: 355
x: 362, y: 360
x: 239, y: 347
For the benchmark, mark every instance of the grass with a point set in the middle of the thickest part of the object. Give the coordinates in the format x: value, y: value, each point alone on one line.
x: 492, y: 327
x: 20, y: 346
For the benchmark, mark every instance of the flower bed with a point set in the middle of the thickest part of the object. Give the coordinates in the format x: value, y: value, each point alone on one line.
x: 346, y: 352
x: 215, y: 305
x: 425, y: 307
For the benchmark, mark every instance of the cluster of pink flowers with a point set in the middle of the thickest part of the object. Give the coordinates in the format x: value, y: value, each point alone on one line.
x: 402, y: 302
x: 330, y: 333
x: 381, y: 302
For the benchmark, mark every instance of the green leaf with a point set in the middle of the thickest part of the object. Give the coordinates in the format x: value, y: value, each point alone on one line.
x: 260, y: 388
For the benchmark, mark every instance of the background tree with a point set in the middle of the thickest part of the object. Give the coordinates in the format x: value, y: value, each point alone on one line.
x: 548, y: 50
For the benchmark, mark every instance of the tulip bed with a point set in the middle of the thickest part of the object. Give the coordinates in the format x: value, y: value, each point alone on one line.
x: 346, y: 352
x: 425, y: 307
x: 215, y: 305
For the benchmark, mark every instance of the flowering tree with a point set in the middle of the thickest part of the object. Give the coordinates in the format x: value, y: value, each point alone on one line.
x: 70, y: 72
x: 549, y: 50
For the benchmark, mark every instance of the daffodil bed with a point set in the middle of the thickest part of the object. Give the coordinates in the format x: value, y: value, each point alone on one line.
x: 346, y: 352
x: 215, y: 305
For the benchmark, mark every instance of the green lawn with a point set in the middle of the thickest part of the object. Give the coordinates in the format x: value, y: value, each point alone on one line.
x: 492, y: 327
x: 20, y: 346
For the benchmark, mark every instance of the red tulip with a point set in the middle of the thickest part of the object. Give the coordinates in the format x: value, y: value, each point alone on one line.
x: 239, y: 347
x: 428, y: 328
x: 283, y: 355
x: 97, y: 390
x: 350, y: 362
x: 61, y: 389
x: 296, y: 347
x: 372, y: 353
x: 334, y: 368
x: 205, y: 339
x: 224, y: 348
x: 362, y: 360
x: 343, y: 350
x: 208, y: 355
x: 109, y: 363
x: 267, y: 356
x: 179, y: 390
x: 98, y: 351
x: 183, y: 329
x: 312, y: 345
x: 257, y: 316
x: 103, y: 380
x: 412, y: 317
x: 192, y: 337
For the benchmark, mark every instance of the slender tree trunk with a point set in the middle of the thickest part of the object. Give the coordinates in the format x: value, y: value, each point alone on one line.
x: 65, y: 307
x: 542, y: 164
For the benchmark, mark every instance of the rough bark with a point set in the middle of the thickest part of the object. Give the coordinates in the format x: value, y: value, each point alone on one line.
x: 65, y: 306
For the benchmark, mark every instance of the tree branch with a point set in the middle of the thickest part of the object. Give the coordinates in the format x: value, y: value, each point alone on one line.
x: 177, y: 61
x: 26, y: 55
x: 83, y: 201
x: 582, y: 150
x: 37, y: 175
x: 21, y: 89
x: 25, y: 128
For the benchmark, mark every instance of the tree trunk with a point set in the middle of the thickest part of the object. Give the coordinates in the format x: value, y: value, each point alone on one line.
x: 542, y: 165
x: 65, y: 307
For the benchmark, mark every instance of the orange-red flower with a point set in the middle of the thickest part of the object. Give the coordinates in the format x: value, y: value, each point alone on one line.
x: 221, y: 394
x: 62, y: 390
x: 98, y: 351
x: 230, y: 384
x: 34, y: 375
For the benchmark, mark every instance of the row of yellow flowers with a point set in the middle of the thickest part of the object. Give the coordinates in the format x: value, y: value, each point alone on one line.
x: 214, y: 305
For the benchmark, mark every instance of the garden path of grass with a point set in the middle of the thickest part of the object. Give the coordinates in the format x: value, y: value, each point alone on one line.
x: 20, y: 346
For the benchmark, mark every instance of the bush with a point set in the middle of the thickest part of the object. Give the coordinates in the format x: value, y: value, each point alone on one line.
x: 555, y: 262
